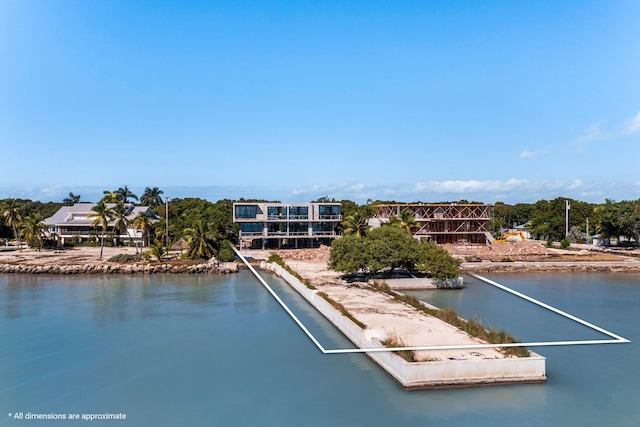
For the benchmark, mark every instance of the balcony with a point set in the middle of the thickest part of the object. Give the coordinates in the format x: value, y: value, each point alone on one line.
x: 330, y: 217
x: 285, y: 235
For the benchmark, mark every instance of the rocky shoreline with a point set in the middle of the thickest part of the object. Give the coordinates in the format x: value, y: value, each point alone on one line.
x: 560, y: 267
x: 115, y: 268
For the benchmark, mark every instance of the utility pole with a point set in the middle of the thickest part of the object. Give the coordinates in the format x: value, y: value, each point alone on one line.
x: 588, y: 237
x: 166, y: 222
x: 567, y: 207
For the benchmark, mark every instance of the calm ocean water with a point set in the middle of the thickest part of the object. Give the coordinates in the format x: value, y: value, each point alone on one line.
x: 219, y: 351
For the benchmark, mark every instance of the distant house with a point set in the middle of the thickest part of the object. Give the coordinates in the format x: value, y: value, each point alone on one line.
x: 73, y: 223
x: 286, y: 225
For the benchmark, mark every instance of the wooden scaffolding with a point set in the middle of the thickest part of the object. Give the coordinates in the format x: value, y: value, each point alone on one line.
x: 445, y: 222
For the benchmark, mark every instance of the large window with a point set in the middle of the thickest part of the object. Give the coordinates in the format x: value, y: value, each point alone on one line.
x: 277, y: 228
x: 299, y: 212
x: 251, y: 227
x: 246, y: 211
x: 329, y: 212
x: 324, y: 228
x: 277, y: 212
x: 299, y: 228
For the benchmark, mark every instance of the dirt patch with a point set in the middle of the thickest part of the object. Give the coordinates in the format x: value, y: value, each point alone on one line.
x: 531, y: 251
x: 76, y: 256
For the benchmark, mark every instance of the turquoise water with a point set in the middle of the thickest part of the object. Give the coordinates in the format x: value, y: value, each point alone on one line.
x: 218, y: 350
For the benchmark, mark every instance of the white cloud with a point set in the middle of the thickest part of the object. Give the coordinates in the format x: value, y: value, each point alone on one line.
x: 575, y: 184
x: 594, y: 132
x: 509, y: 190
x: 458, y: 187
x: 526, y: 154
x: 513, y: 190
x: 632, y: 125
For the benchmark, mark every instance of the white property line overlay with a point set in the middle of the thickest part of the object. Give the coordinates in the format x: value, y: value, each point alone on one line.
x: 617, y: 340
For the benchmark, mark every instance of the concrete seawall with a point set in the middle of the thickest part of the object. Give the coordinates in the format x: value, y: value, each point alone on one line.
x: 424, y: 375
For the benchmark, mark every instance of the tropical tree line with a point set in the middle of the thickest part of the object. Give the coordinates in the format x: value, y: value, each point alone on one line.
x: 22, y: 220
x: 207, y: 226
x: 546, y: 219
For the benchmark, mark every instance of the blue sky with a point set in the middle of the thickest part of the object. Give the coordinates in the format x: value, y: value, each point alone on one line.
x: 293, y: 100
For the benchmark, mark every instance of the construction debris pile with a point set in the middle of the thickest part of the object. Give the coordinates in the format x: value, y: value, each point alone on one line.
x: 320, y: 254
x: 514, y: 251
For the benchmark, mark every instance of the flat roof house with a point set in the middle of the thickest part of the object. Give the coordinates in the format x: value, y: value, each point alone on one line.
x: 74, y: 223
x: 286, y: 225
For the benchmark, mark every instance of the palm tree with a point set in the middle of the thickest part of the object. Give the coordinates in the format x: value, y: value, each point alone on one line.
x: 13, y: 217
x: 125, y: 194
x: 33, y: 230
x: 110, y: 197
x: 157, y: 249
x: 405, y: 220
x: 356, y: 224
x: 102, y: 215
x: 72, y: 199
x: 152, y: 197
x: 144, y: 223
x: 200, y: 240
x: 120, y: 212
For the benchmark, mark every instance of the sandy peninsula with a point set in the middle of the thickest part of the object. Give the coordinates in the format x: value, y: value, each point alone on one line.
x: 383, y: 316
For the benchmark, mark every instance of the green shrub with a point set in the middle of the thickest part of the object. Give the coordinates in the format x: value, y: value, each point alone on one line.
x: 277, y: 259
x: 341, y: 309
x: 627, y: 244
x: 397, y: 342
x: 124, y: 258
x: 382, y: 287
x: 549, y: 243
x: 473, y: 328
x: 226, y: 254
x: 564, y: 244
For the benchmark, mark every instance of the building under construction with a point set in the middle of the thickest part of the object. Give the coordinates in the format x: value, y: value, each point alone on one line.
x: 443, y: 222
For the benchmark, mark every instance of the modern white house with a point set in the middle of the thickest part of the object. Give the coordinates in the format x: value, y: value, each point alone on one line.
x: 73, y: 223
x: 286, y: 225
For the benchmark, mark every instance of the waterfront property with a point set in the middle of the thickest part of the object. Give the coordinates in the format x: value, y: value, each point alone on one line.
x: 73, y: 224
x: 455, y: 372
x: 286, y: 225
x: 443, y: 222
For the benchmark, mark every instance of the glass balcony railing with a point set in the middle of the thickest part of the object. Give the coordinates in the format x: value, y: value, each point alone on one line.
x: 284, y: 234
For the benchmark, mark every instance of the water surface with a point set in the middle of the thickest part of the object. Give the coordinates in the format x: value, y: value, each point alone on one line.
x: 218, y: 350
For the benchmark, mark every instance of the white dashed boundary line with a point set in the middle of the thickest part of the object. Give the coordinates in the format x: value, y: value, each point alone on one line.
x: 617, y: 339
